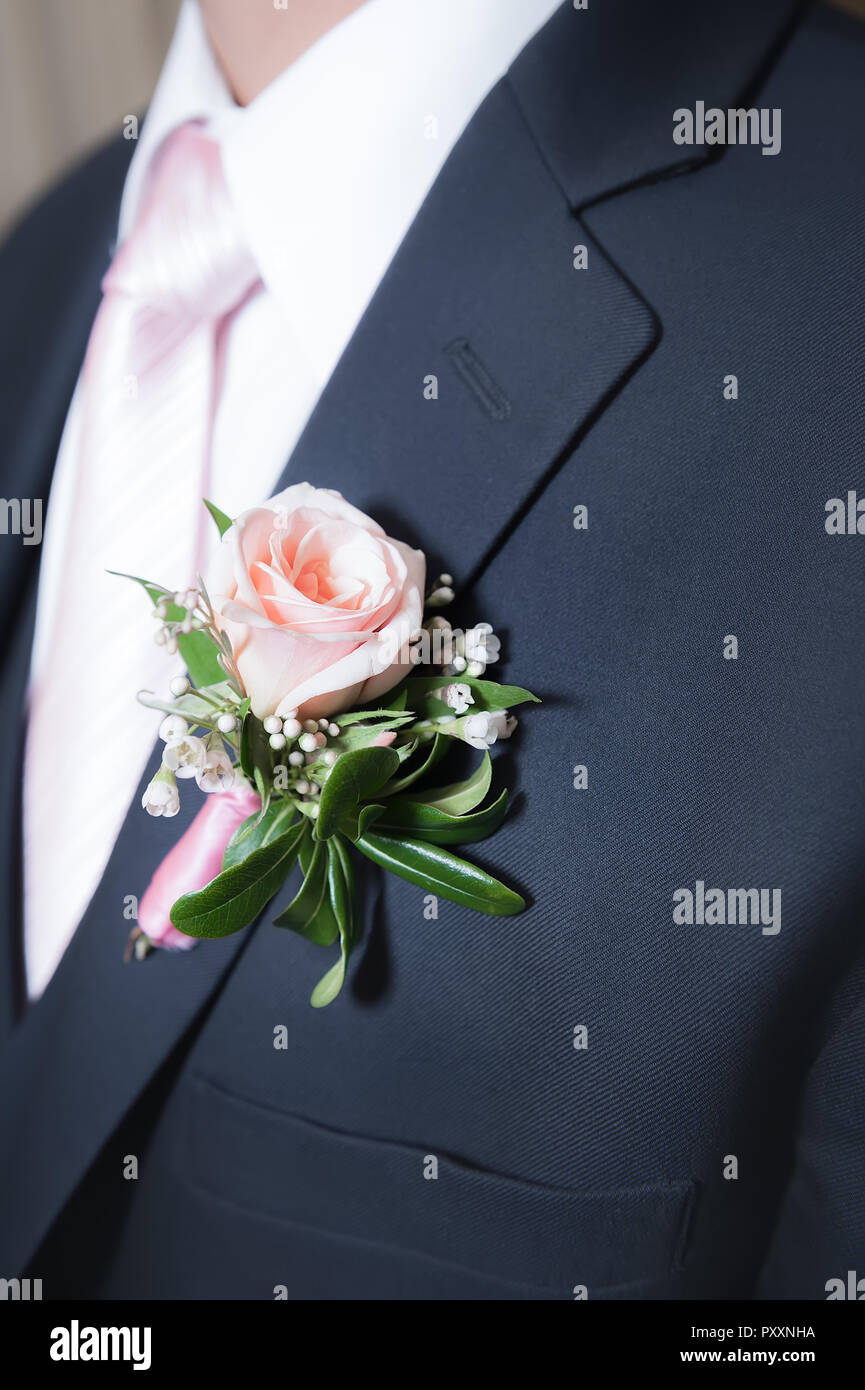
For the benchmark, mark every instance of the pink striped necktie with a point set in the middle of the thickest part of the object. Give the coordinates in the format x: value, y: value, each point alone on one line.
x: 148, y: 393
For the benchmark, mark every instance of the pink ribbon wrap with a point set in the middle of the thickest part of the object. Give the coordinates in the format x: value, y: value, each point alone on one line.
x: 192, y: 863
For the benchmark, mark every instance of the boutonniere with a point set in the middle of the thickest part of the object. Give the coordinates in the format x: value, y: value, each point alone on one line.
x: 323, y: 691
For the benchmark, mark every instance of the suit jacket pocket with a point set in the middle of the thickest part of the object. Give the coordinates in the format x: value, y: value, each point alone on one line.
x: 298, y: 1171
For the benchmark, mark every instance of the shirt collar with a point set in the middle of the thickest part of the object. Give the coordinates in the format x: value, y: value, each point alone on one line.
x: 328, y: 166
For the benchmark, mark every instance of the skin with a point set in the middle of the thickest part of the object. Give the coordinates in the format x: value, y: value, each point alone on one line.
x: 254, y: 42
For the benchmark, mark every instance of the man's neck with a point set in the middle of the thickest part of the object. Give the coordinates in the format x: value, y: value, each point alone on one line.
x: 255, y: 41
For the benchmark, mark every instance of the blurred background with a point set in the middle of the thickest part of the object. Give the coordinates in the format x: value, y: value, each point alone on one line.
x: 70, y: 70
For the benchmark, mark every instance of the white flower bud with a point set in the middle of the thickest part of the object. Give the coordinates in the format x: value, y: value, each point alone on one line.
x: 273, y: 724
x: 483, y: 729
x: 178, y: 686
x: 226, y: 723
x: 173, y: 726
x: 161, y: 797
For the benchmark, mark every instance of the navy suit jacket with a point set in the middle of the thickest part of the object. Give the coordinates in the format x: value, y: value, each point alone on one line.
x: 708, y: 1141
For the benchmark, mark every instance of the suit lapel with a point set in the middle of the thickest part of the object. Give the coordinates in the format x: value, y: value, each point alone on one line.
x: 481, y: 360
x: 482, y: 356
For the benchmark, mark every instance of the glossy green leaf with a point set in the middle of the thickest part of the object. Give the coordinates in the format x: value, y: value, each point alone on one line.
x: 435, y: 751
x: 354, y: 778
x: 258, y: 830
x: 436, y: 870
x: 459, y: 797
x: 354, y: 826
x: 236, y: 896
x: 255, y: 749
x: 305, y: 913
x: 429, y: 823
x: 341, y: 892
x: 223, y: 522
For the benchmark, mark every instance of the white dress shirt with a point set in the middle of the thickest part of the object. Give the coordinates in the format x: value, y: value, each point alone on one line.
x: 327, y: 168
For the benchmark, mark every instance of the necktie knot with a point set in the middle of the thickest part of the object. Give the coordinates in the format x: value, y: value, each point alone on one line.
x: 187, y: 254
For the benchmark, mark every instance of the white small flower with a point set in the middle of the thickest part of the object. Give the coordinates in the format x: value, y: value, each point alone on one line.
x: 291, y: 728
x: 161, y: 797
x: 226, y: 723
x: 296, y: 759
x: 481, y: 644
x: 178, y: 686
x: 439, y: 597
x: 482, y: 730
x: 277, y: 741
x: 458, y: 696
x: 273, y: 724
x: 173, y: 727
x: 185, y: 756
x: 217, y: 773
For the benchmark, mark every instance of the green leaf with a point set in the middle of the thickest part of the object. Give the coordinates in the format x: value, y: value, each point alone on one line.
x: 236, y: 896
x: 309, y: 913
x: 360, y: 716
x: 255, y: 749
x: 200, y: 653
x: 437, y: 749
x: 258, y: 830
x: 362, y: 735
x: 354, y: 778
x: 223, y: 522
x: 354, y: 826
x: 458, y: 797
x: 341, y: 892
x: 438, y: 871
x: 155, y: 591
x: 489, y: 695
x: 428, y: 823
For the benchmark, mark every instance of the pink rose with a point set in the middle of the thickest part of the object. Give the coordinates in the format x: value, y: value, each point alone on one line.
x: 318, y: 602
